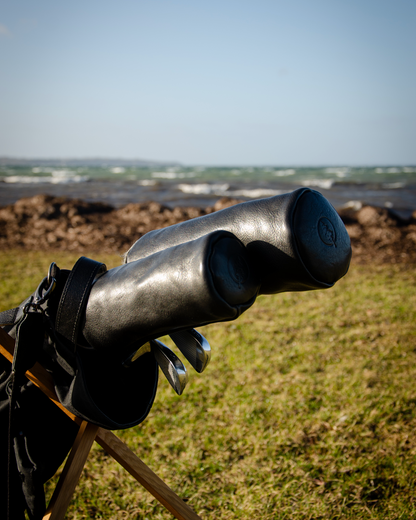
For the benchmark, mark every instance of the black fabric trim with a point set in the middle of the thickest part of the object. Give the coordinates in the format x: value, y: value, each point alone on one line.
x: 8, y: 318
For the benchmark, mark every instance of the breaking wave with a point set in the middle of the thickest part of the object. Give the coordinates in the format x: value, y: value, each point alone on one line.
x: 26, y: 179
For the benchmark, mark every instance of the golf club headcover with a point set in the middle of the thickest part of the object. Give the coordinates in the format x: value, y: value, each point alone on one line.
x: 194, y: 283
x: 295, y: 241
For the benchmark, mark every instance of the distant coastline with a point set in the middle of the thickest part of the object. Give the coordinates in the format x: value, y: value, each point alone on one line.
x: 86, y: 161
x: 120, y: 161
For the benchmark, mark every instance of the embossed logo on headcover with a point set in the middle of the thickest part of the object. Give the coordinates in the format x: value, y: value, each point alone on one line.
x: 327, y: 232
x: 238, y: 269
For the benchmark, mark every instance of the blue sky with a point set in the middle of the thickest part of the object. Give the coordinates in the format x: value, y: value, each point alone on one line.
x: 323, y: 82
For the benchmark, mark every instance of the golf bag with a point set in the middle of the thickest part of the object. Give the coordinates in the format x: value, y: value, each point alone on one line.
x: 95, y: 330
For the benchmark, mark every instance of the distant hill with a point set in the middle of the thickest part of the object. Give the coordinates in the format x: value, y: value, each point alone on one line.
x: 94, y: 161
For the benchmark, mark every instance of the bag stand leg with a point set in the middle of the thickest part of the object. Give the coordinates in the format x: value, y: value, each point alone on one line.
x: 72, y: 471
x: 88, y: 433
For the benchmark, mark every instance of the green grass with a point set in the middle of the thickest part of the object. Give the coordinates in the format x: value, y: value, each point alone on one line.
x: 306, y: 411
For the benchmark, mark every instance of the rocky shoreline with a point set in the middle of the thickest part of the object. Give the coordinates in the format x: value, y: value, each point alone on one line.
x: 44, y: 222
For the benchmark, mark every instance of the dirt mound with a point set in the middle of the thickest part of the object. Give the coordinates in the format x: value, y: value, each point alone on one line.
x: 44, y: 222
x: 381, y: 236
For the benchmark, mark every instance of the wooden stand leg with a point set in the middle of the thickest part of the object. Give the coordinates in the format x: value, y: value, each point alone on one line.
x: 72, y: 471
x: 144, y: 475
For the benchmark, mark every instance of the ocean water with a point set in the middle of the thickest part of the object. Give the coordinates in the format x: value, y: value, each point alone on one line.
x: 119, y: 183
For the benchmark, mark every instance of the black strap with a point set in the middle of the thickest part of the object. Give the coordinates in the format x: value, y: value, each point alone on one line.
x: 75, y: 296
x: 29, y: 340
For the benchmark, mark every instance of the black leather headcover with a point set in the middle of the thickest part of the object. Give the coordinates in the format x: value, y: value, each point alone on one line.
x: 202, y: 281
x: 295, y: 241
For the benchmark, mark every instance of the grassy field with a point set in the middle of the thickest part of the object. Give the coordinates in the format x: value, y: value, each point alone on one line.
x: 307, y: 410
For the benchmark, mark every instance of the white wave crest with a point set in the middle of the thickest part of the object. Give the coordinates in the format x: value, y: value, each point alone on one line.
x: 223, y: 190
x: 164, y: 175
x: 257, y: 193
x: 62, y: 174
x: 26, y: 179
x: 389, y: 170
x: 285, y: 173
x: 325, y: 184
x: 147, y: 182
x: 55, y: 172
x: 173, y: 175
x: 205, y: 189
x: 339, y: 172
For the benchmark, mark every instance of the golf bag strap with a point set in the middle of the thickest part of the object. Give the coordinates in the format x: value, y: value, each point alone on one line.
x: 75, y: 296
